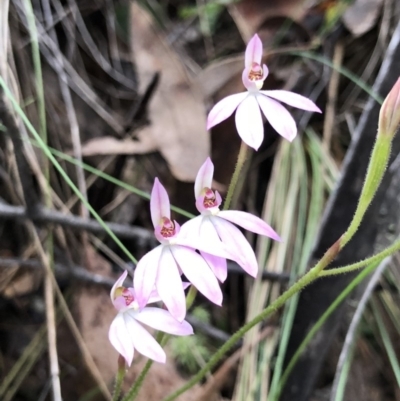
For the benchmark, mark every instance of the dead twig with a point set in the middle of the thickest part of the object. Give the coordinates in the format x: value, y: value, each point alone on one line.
x: 47, y: 216
x: 351, y: 333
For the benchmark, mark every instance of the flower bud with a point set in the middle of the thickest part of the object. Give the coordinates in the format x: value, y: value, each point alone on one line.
x: 389, y: 116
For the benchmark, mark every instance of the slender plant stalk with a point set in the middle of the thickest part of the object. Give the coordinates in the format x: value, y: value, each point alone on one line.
x: 191, y: 296
x: 119, y: 379
x: 356, y: 266
x: 298, y: 286
x: 236, y: 174
x: 133, y: 392
x: 387, y: 342
x: 376, y: 169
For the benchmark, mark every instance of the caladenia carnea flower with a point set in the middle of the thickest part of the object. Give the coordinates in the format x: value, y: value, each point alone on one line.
x: 248, y: 116
x: 126, y: 331
x: 216, y: 225
x: 162, y: 267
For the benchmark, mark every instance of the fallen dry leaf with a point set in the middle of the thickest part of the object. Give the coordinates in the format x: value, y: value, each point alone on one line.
x: 177, y: 113
x: 361, y: 16
x: 109, y: 145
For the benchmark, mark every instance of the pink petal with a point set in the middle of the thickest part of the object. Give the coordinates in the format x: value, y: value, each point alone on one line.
x: 118, y: 284
x: 155, y: 297
x: 191, y: 228
x: 249, y: 222
x: 169, y: 285
x: 142, y: 340
x: 120, y: 303
x: 204, y: 238
x: 293, y: 99
x: 224, y: 109
x: 254, y: 51
x: 204, y: 177
x: 120, y: 338
x: 198, y: 273
x: 237, y: 245
x: 249, y: 122
x: 145, y: 275
x: 159, y: 203
x: 217, y: 265
x: 161, y: 320
x: 279, y: 118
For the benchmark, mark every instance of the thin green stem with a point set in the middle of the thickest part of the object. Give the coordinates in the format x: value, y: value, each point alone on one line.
x: 296, y: 287
x: 355, y: 266
x: 119, y: 379
x: 376, y: 169
x: 387, y: 342
x: 344, y: 71
x: 314, y: 329
x: 134, y: 391
x: 191, y: 296
x: 65, y: 176
x: 109, y: 178
x: 235, y: 177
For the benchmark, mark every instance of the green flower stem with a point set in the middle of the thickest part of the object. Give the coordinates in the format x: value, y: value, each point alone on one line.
x: 119, y: 378
x: 235, y: 177
x: 58, y: 167
x: 134, y: 391
x: 191, y: 296
x: 355, y: 266
x: 376, y: 168
x: 342, y: 296
x: 298, y: 286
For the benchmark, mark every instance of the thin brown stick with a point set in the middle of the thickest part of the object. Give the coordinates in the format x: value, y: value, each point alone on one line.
x: 333, y: 87
x: 42, y: 215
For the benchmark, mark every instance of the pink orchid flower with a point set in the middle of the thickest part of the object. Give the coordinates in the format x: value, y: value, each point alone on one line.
x: 162, y: 267
x: 126, y: 332
x: 216, y: 225
x: 248, y: 104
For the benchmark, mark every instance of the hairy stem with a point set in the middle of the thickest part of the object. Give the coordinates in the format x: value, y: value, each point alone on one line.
x: 235, y: 177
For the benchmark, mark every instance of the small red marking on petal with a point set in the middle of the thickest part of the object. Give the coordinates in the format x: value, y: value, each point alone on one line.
x: 168, y: 228
x: 128, y: 296
x: 209, y: 199
x: 256, y: 72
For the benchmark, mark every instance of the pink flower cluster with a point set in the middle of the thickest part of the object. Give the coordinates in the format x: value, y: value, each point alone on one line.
x: 199, y: 249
